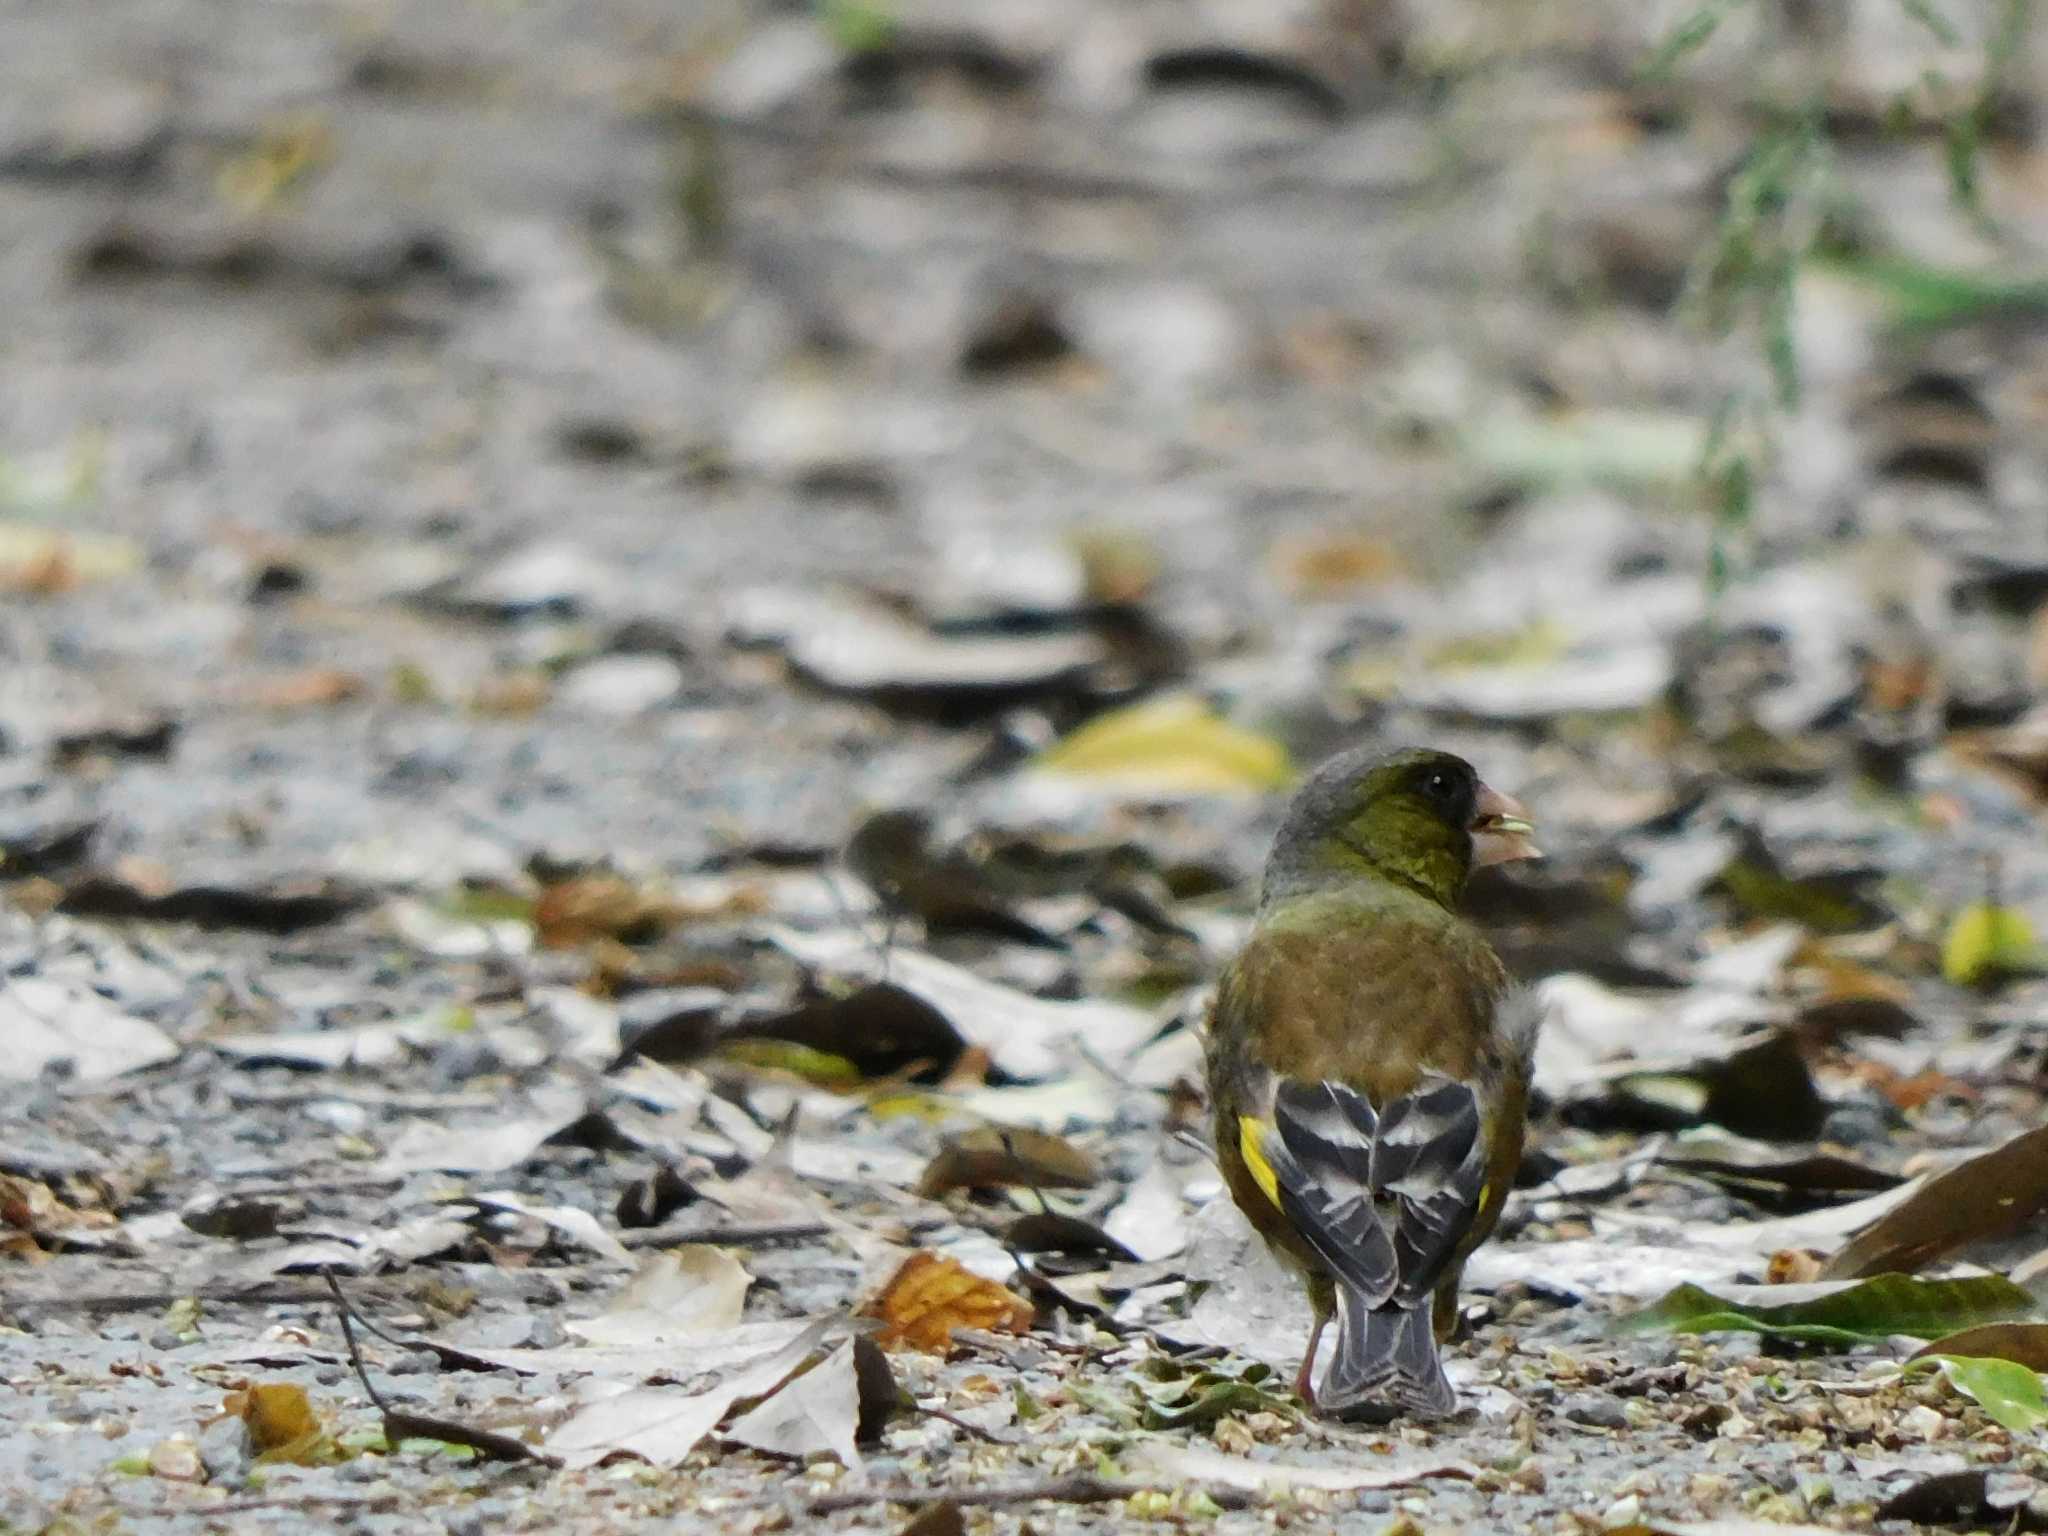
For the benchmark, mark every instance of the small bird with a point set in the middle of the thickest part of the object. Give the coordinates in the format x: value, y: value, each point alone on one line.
x: 1368, y: 1065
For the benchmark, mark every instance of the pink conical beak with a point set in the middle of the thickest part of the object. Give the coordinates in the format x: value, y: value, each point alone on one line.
x: 1501, y: 830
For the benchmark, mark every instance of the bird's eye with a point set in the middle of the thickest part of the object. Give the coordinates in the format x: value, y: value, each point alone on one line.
x: 1438, y: 786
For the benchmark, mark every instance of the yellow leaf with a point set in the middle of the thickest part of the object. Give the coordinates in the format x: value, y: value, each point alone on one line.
x: 1986, y: 942
x: 930, y: 1296
x: 1174, y: 745
x: 282, y: 1424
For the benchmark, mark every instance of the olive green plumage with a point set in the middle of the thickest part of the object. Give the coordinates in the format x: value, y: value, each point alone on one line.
x: 1368, y: 1064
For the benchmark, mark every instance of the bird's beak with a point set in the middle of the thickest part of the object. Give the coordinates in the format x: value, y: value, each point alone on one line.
x: 1501, y: 830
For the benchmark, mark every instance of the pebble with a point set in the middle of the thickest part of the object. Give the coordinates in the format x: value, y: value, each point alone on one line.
x: 622, y: 685
x: 1599, y: 1411
x: 225, y: 1450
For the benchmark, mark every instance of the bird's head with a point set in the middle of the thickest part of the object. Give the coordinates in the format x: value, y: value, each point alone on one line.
x: 1419, y: 817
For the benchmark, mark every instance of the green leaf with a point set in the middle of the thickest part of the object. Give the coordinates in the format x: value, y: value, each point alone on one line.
x: 858, y: 26
x: 2009, y: 1392
x: 1688, y: 37
x: 1872, y: 1309
x: 1922, y: 297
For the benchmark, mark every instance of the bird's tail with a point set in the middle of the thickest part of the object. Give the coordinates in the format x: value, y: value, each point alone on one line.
x: 1385, y: 1364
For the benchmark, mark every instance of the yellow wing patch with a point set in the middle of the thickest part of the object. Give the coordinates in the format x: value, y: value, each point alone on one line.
x: 1251, y: 1134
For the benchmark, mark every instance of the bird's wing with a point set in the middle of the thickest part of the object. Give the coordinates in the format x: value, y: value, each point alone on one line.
x: 1383, y: 1195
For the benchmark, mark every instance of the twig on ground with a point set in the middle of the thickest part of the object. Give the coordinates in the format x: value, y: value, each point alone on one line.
x: 1064, y: 1490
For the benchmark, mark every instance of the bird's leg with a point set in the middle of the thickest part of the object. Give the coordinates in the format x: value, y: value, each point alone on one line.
x: 1446, y: 1318
x: 1304, y: 1379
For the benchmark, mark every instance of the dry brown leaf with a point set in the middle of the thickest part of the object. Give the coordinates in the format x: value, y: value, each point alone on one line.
x: 33, y: 1207
x: 931, y: 1295
x: 2023, y: 1343
x: 1990, y: 1196
x: 588, y: 908
x: 993, y: 1155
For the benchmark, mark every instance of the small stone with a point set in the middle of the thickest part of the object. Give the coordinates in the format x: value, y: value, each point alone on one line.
x: 176, y: 1461
x: 1923, y: 1423
x: 1709, y: 1490
x: 165, y: 1338
x: 225, y: 1449
x: 622, y: 685
x: 1599, y: 1411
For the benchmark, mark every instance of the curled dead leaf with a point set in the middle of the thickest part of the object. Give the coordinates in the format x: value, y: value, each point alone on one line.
x: 930, y: 1295
x: 282, y: 1424
x: 1007, y: 1154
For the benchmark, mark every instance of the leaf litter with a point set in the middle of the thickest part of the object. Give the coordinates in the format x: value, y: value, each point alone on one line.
x: 415, y: 888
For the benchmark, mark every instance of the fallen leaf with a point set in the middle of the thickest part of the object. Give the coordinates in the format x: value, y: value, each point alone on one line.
x: 282, y: 1424
x: 586, y: 908
x: 504, y: 1141
x: 1026, y: 1037
x: 930, y: 1295
x: 45, y: 1021
x: 690, y: 1290
x: 943, y: 888
x: 881, y: 1029
x: 1760, y: 888
x: 1763, y: 1175
x: 663, y: 1424
x: 2023, y: 1343
x: 278, y: 909
x: 579, y: 1227
x: 1844, y: 1315
x: 1151, y: 1220
x: 818, y: 1411
x: 1169, y: 746
x: 995, y: 1155
x: 1989, y: 1197
x: 846, y: 647
x: 1988, y: 943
